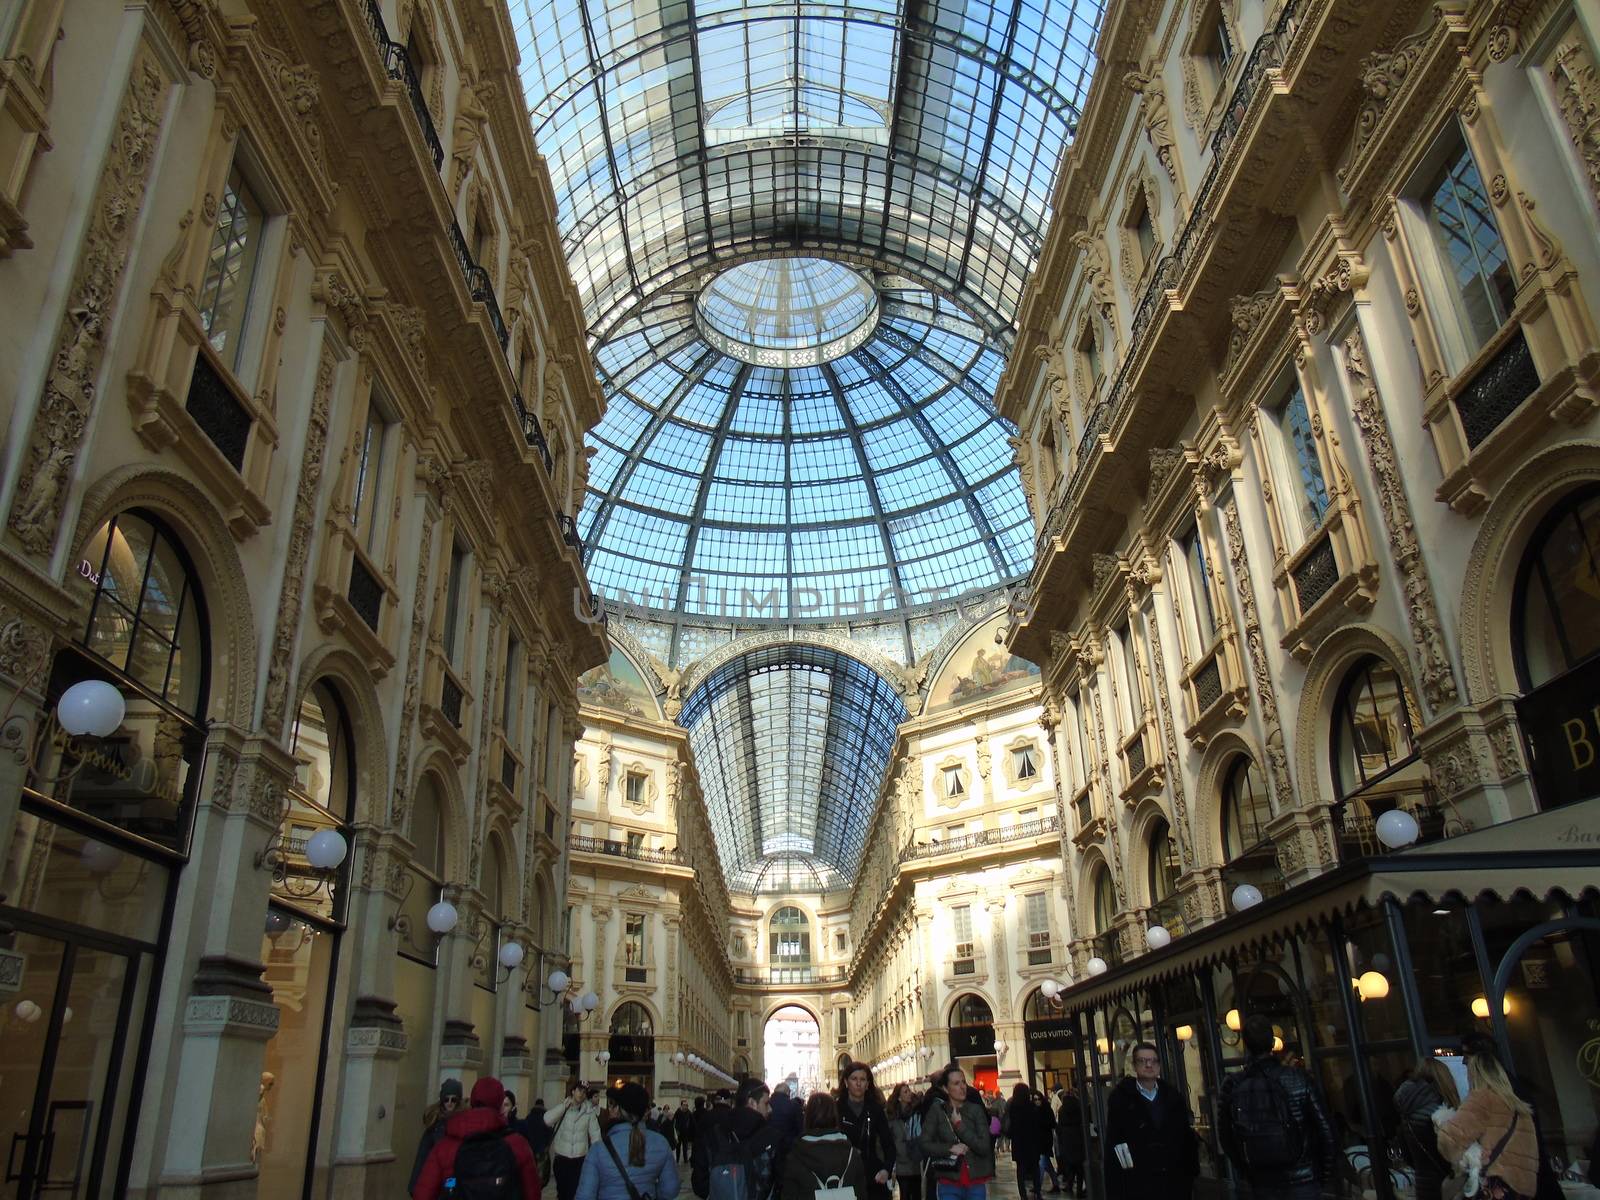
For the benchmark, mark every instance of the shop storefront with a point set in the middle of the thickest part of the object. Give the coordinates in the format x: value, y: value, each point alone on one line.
x: 1368, y: 969
x: 107, y: 808
x: 972, y: 1041
x: 1050, y: 1044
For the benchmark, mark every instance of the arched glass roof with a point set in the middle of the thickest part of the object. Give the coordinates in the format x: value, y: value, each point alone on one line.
x: 787, y: 312
x: 871, y: 483
x: 924, y: 135
x: 791, y: 742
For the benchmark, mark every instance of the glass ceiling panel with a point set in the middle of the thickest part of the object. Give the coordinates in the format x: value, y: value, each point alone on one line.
x: 680, y: 136
x: 791, y: 744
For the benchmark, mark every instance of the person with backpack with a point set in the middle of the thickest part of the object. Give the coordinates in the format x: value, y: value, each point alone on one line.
x: 574, y: 1128
x: 735, y: 1158
x: 956, y: 1139
x: 1151, y: 1150
x: 632, y: 1161
x: 905, y: 1125
x: 822, y: 1164
x: 864, y: 1122
x: 479, y: 1158
x: 433, y: 1122
x: 1272, y: 1125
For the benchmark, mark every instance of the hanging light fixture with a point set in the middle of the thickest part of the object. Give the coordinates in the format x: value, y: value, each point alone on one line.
x: 1184, y: 1032
x: 1232, y: 1020
x: 1373, y: 985
x: 93, y: 707
x: 1480, y: 1006
x: 1157, y: 937
x: 1096, y: 966
x: 1245, y: 896
x: 1396, y: 828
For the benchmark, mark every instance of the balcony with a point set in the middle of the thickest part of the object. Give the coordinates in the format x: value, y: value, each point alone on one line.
x: 1022, y: 831
x: 615, y: 849
x: 788, y: 977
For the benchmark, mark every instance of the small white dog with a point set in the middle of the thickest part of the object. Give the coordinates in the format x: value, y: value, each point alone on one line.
x: 1470, y: 1164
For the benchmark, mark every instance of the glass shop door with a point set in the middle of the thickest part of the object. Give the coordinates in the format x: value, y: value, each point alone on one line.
x: 66, y: 1016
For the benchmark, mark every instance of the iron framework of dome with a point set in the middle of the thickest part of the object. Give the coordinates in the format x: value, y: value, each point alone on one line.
x: 790, y: 742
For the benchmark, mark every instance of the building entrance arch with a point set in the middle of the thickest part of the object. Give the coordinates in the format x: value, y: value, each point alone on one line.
x: 792, y: 1050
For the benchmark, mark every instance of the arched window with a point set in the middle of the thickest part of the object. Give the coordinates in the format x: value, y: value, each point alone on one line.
x: 1375, y: 762
x: 303, y: 922
x: 791, y: 938
x: 144, y: 632
x: 1105, y: 901
x: 1556, y: 614
x: 972, y: 1009
x: 632, y: 1020
x: 1165, y: 866
x: 1246, y: 812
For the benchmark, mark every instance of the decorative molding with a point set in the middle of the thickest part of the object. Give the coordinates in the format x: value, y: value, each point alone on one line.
x: 1383, y: 74
x: 412, y: 696
x: 1248, y: 313
x: 292, y: 597
x: 1422, y: 610
x: 1577, y: 92
x: 1156, y: 118
x: 70, y: 390
x: 1277, y: 757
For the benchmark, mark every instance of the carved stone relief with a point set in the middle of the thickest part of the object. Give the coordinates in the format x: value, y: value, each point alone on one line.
x: 70, y: 388
x: 1577, y: 87
x: 1422, y: 612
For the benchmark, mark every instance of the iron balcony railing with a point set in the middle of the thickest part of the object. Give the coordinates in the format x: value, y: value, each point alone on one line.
x: 616, y: 849
x: 787, y: 976
x: 986, y: 837
x: 1267, y: 53
x: 397, y: 65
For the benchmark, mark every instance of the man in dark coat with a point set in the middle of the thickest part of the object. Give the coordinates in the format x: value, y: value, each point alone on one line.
x: 788, y: 1122
x: 1151, y: 1152
x: 1282, y: 1112
x: 741, y: 1135
x: 433, y: 1125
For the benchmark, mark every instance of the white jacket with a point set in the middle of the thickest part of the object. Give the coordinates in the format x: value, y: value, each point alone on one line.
x: 576, y: 1128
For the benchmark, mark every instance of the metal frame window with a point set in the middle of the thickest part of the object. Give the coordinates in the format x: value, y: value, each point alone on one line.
x: 1299, y: 468
x: 1554, y: 613
x: 229, y: 286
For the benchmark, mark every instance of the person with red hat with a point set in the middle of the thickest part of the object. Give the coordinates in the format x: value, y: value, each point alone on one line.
x: 479, y: 1155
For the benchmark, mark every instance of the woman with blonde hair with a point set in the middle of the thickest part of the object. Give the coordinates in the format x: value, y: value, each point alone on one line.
x: 1500, y: 1123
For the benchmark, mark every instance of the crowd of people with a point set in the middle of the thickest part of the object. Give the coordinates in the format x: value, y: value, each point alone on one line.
x: 941, y: 1142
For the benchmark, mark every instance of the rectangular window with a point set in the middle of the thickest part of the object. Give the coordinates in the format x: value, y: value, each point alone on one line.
x: 366, y: 507
x: 954, y: 831
x: 512, y: 686
x: 635, y: 840
x: 1202, y: 616
x: 452, y: 605
x: 1089, y: 347
x: 1077, y: 720
x: 1472, y: 255
x: 961, y: 922
x: 1025, y: 763
x: 953, y: 783
x: 231, y: 268
x: 1128, y: 685
x: 839, y: 942
x: 633, y: 940
x: 635, y: 789
x: 844, y: 1023
x: 1027, y: 816
x: 1222, y: 45
x: 1036, y: 917
x: 1298, y: 468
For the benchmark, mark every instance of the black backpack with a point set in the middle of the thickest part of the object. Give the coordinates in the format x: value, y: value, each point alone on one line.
x: 485, y: 1169
x: 1265, y: 1128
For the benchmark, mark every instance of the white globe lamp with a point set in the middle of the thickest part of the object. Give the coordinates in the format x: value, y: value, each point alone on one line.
x: 93, y: 707
x: 590, y: 1002
x: 1096, y: 965
x: 1246, y: 895
x: 557, y: 982
x: 1158, y: 937
x: 1397, y: 828
x: 326, y: 849
x: 1050, y: 988
x: 511, y: 955
x: 442, y: 917
x: 100, y: 858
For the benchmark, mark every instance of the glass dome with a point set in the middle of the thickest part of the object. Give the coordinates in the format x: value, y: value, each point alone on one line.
x: 871, y: 483
x: 788, y: 312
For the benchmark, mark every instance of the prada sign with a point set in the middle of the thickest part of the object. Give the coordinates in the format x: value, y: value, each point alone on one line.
x: 1561, y: 722
x: 1054, y: 1034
